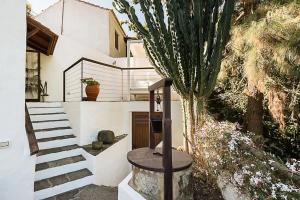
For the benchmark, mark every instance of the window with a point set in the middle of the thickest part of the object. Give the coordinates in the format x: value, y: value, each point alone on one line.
x: 116, y: 40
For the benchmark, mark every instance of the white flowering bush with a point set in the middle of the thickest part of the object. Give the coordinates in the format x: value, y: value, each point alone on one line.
x: 256, y: 173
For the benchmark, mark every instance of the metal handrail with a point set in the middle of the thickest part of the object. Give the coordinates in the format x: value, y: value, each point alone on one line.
x: 95, y: 62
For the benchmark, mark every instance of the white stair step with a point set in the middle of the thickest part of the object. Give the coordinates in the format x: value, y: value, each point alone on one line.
x: 43, y: 104
x: 56, y: 143
x: 34, y: 111
x: 64, y: 166
x: 50, y: 124
x: 56, y: 153
x: 55, y: 171
x: 48, y: 117
x: 54, y: 133
x: 61, y: 188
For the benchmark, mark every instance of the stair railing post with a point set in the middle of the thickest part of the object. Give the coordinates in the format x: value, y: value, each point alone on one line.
x: 81, y: 81
x: 167, y: 143
x: 64, y: 86
x: 151, y: 112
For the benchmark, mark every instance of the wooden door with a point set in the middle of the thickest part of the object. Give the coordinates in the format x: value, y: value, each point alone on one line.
x: 140, y: 130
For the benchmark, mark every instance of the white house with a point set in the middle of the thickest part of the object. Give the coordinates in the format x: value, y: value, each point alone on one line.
x: 68, y: 41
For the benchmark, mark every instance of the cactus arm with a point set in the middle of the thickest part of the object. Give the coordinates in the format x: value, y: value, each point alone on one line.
x: 123, y: 6
x: 178, y: 40
x: 188, y: 47
x: 222, y: 38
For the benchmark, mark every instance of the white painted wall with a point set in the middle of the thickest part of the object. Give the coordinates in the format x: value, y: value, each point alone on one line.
x: 66, y: 53
x: 85, y: 34
x: 110, y: 167
x: 86, y: 24
x: 116, y: 116
x: 17, y: 166
x: 126, y: 192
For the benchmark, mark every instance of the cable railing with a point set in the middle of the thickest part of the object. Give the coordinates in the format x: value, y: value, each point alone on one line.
x: 116, y: 83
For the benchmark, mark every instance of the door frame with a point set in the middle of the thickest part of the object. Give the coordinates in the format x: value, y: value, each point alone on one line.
x: 39, y: 76
x: 158, y: 138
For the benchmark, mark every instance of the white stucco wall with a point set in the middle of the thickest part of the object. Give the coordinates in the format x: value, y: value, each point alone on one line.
x: 17, y: 166
x: 86, y: 24
x: 116, y: 116
x: 85, y: 34
x: 126, y: 192
x: 110, y: 167
x: 66, y: 53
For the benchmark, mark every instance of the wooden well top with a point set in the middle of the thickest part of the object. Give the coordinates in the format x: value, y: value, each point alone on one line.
x: 151, y: 159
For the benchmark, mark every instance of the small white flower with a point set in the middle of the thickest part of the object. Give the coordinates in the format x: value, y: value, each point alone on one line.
x: 256, y: 179
x: 294, y: 165
x: 232, y: 144
x: 284, y: 197
x: 239, y: 178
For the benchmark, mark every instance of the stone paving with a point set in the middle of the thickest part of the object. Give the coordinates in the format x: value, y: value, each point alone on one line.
x: 61, y: 179
x: 90, y: 192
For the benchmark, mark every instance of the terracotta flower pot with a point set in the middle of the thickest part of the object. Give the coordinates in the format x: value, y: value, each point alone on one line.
x: 92, y: 92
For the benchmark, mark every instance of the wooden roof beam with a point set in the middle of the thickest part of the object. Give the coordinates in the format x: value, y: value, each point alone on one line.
x: 40, y: 37
x: 32, y: 33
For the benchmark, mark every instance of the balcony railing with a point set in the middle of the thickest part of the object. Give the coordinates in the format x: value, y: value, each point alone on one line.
x: 116, y: 83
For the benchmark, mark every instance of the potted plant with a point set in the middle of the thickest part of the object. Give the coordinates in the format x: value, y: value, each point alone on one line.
x: 92, y: 88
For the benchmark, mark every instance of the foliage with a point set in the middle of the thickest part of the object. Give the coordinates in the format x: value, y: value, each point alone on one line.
x: 89, y: 81
x: 224, y: 151
x: 266, y: 53
x: 184, y: 40
x: 28, y: 9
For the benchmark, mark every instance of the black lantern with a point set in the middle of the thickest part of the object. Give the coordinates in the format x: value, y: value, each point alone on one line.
x: 158, y: 102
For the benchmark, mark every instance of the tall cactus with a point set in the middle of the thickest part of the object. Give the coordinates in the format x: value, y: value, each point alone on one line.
x: 184, y: 40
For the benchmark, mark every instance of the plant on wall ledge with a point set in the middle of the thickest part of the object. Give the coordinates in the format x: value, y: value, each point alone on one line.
x: 185, y: 41
x: 92, y: 88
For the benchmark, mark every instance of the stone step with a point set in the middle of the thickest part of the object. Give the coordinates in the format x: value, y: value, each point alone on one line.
x: 43, y: 104
x: 51, y: 120
x: 57, y: 150
x: 57, y: 167
x: 47, y: 155
x: 57, y: 116
x: 50, y: 124
x: 53, y: 133
x: 54, y: 142
x: 45, y: 110
x: 53, y: 129
x: 55, y: 113
x: 56, y: 138
x: 59, y: 184
x: 60, y: 162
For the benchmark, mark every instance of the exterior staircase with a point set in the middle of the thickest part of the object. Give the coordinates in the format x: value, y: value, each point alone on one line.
x: 60, y: 165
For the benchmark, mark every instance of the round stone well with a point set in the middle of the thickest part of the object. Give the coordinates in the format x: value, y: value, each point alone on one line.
x: 148, y: 174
